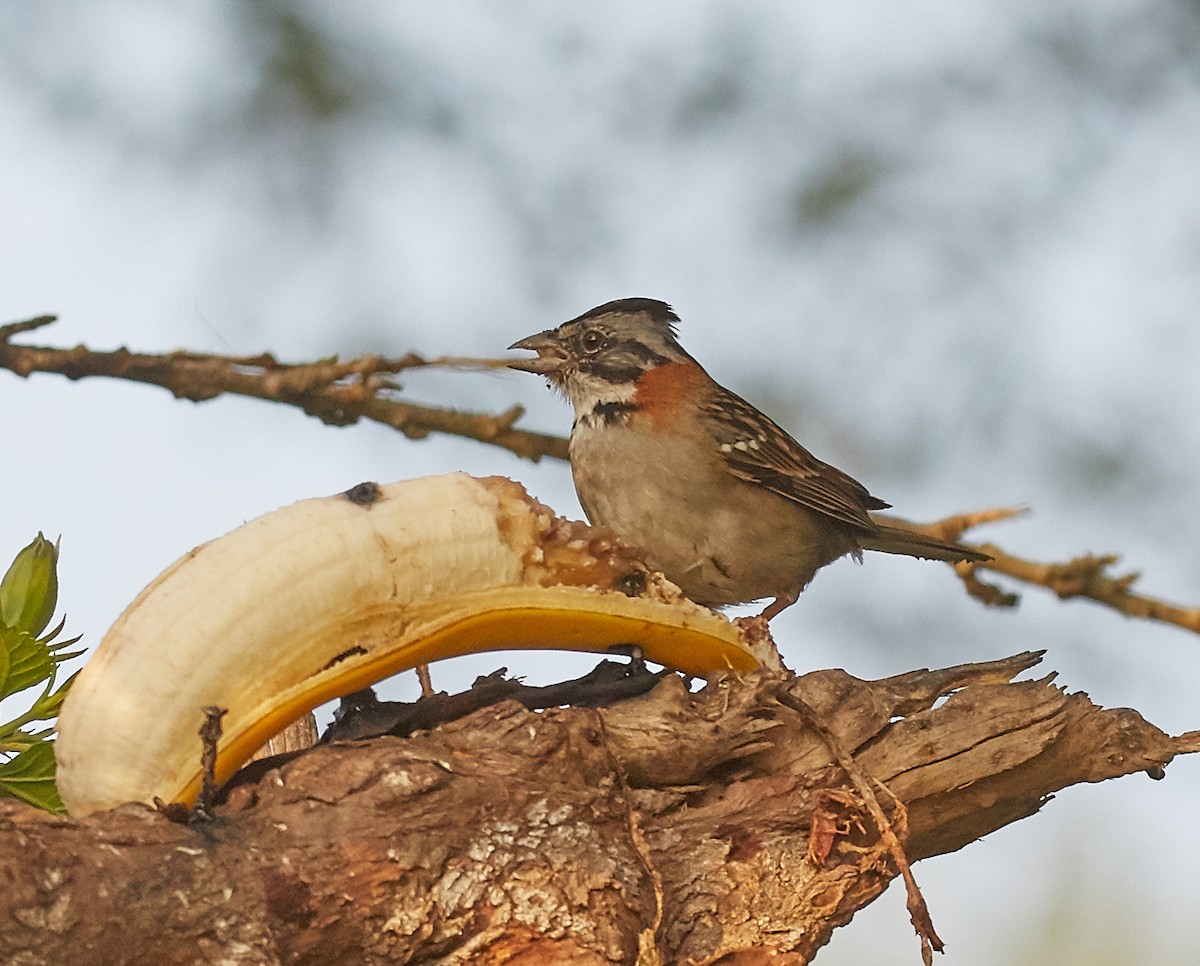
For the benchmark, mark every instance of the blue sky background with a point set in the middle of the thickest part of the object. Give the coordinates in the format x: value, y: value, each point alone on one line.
x: 954, y: 248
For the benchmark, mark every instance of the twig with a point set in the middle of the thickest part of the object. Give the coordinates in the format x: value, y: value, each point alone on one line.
x: 361, y: 716
x: 1085, y: 576
x: 917, y: 909
x: 210, y: 736
x: 14, y: 328
x: 333, y: 391
x: 340, y: 393
x: 952, y: 528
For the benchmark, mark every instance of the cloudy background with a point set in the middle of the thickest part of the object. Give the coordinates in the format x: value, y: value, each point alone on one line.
x: 954, y: 247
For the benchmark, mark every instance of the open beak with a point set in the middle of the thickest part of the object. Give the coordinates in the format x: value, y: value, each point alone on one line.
x: 552, y: 355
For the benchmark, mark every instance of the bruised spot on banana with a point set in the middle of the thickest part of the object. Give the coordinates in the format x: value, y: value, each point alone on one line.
x: 329, y: 595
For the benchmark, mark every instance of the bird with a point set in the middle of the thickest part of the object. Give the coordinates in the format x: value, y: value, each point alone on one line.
x: 721, y: 499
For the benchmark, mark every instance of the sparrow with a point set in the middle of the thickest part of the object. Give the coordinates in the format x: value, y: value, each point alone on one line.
x: 724, y: 502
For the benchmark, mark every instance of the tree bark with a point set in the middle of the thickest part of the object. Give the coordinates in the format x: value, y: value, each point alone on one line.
x: 673, y: 828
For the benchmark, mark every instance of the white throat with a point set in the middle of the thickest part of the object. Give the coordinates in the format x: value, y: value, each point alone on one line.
x: 598, y: 402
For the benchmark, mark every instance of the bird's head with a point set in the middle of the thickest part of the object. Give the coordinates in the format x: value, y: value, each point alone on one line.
x: 599, y: 356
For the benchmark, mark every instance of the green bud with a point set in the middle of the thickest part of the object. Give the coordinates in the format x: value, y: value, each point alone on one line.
x: 29, y: 591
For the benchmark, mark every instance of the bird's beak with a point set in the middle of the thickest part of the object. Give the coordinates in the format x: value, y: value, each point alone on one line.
x: 552, y: 355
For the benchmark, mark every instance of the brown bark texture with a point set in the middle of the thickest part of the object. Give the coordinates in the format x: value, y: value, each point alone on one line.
x: 677, y: 827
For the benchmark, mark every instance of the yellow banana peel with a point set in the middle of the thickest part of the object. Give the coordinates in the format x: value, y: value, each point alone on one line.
x: 329, y: 595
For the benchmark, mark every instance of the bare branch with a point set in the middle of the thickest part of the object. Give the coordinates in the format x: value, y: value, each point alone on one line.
x: 14, y: 328
x: 1085, y: 576
x: 336, y: 392
x: 340, y: 393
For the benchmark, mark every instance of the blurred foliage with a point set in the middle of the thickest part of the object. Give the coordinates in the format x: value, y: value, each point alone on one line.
x: 845, y: 178
x: 302, y: 72
x: 28, y: 596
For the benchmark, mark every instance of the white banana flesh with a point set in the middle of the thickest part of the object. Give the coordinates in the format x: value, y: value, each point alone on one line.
x: 329, y: 595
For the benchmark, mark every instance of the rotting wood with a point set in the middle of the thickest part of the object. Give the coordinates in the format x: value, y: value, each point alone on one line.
x: 506, y: 835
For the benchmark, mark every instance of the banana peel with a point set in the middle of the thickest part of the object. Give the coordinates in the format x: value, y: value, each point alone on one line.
x: 328, y: 595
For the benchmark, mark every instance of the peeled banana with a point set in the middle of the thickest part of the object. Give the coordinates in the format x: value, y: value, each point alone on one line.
x: 328, y: 595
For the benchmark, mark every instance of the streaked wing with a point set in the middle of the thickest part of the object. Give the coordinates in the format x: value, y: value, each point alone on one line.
x: 759, y: 451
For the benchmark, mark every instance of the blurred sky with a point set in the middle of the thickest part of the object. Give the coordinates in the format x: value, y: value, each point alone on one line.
x: 954, y: 247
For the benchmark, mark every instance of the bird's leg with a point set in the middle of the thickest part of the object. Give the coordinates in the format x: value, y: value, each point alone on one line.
x: 778, y: 605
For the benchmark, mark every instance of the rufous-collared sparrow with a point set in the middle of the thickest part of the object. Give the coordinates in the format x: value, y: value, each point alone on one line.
x: 723, y: 501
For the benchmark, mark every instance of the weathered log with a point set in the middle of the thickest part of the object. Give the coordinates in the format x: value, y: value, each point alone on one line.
x: 675, y: 827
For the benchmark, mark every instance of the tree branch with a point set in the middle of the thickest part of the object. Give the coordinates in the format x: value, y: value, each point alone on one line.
x: 1084, y: 576
x: 679, y: 827
x: 338, y: 393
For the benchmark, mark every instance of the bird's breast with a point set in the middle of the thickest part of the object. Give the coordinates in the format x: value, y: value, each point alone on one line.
x: 722, y: 540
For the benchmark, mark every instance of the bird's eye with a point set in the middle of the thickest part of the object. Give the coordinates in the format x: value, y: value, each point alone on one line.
x: 592, y: 340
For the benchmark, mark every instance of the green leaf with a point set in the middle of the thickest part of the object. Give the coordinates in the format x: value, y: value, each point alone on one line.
x: 50, y: 703
x: 56, y: 646
x: 29, y: 661
x: 30, y: 777
x: 29, y: 590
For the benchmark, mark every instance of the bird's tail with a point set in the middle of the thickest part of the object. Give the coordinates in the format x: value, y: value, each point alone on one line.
x: 911, y: 544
